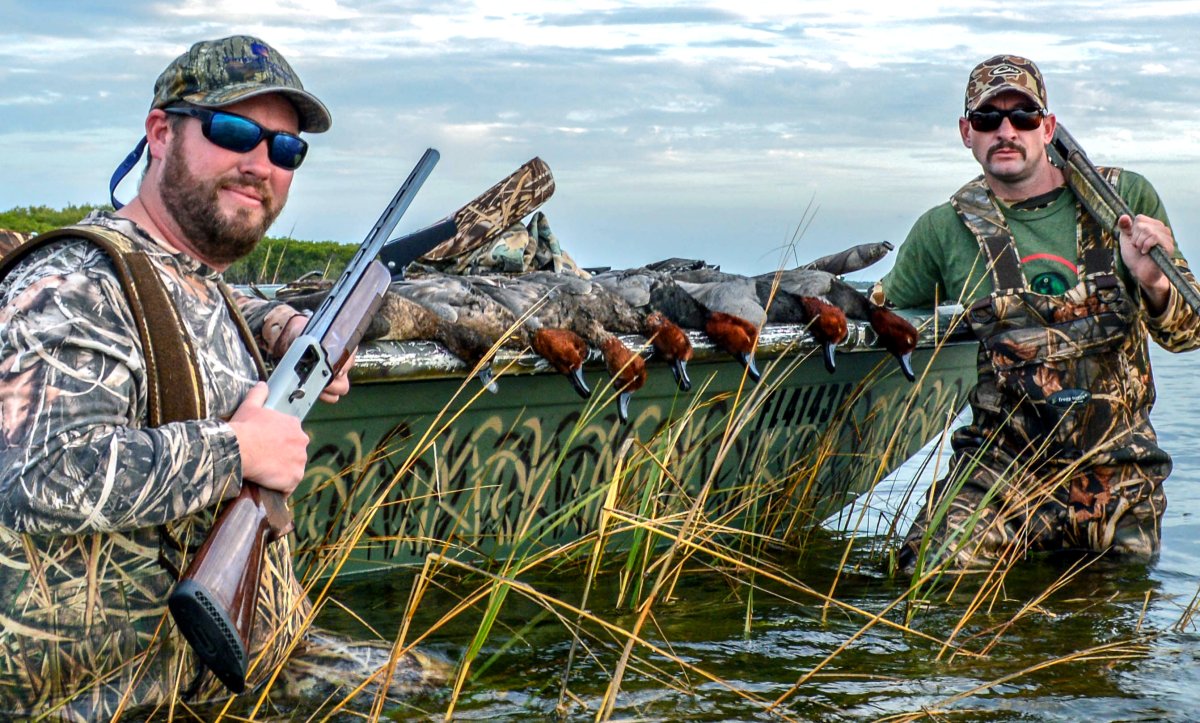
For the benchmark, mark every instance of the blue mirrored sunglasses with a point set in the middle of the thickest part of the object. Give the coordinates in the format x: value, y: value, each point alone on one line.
x: 229, y: 131
x: 241, y: 135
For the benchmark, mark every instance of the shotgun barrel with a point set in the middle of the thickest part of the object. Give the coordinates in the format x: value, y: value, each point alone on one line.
x: 1105, y: 205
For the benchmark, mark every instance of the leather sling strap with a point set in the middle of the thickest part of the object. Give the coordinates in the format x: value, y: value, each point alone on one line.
x: 174, y: 389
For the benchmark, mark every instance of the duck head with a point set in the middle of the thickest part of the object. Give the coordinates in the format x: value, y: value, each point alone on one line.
x: 672, y: 344
x: 627, y: 369
x: 565, y: 351
x: 736, y: 336
x: 827, y: 324
x: 897, y: 336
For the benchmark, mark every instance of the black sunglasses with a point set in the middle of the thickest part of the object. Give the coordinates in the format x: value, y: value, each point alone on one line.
x: 241, y: 135
x: 1023, y: 119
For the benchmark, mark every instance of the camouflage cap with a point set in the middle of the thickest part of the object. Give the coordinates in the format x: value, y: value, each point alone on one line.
x: 1005, y: 72
x: 218, y: 73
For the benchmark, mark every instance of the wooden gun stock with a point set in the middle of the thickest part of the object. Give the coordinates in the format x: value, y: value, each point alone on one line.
x: 214, y: 603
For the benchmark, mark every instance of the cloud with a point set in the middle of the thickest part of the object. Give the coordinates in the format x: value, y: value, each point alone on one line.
x: 678, y: 128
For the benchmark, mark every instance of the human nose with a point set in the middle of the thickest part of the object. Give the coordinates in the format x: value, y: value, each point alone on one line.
x: 256, y: 161
x: 1006, y: 129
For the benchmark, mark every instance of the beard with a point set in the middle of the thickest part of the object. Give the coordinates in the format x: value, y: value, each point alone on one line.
x: 194, y: 204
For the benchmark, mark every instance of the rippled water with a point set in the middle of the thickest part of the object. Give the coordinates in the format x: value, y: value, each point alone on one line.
x: 1152, y: 673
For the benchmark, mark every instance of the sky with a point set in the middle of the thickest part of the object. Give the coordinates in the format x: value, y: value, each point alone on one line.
x: 722, y: 130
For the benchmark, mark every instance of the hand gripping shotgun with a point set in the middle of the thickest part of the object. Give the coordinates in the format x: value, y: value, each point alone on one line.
x: 215, y: 601
x: 1101, y: 200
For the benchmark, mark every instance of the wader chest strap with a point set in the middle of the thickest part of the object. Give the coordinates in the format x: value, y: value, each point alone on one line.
x: 980, y: 214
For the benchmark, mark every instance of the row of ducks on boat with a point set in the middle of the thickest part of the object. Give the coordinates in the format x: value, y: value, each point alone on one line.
x: 559, y: 316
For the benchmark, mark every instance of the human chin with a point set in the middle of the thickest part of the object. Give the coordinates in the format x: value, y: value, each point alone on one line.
x: 220, y: 235
x: 1007, y: 167
x: 245, y: 207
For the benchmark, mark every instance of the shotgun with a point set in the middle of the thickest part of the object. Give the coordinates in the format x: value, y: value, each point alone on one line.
x: 215, y: 601
x: 1104, y: 204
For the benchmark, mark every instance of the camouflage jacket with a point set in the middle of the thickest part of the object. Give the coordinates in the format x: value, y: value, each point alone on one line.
x: 97, y: 511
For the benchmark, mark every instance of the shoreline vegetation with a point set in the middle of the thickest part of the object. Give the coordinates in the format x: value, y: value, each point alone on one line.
x: 276, y: 260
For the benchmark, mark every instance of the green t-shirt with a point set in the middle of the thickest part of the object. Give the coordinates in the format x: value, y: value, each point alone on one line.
x: 941, y: 261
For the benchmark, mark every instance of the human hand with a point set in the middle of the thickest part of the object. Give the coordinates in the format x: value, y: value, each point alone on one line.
x: 339, y: 386
x: 1137, y: 236
x: 290, y: 332
x: 273, y: 446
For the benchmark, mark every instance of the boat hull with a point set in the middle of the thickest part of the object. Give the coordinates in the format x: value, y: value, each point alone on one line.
x: 417, y: 459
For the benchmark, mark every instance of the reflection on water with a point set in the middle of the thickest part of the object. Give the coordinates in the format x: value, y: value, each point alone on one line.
x: 1149, y: 673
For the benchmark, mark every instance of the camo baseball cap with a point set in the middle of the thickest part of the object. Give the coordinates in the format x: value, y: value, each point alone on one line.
x: 1005, y: 72
x: 219, y: 73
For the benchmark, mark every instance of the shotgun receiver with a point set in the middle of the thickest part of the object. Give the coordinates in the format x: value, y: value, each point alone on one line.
x: 1104, y: 204
x: 215, y: 601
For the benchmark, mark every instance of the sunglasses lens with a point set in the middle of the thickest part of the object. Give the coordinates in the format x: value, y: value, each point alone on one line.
x: 234, y: 133
x: 242, y: 135
x: 1025, y: 120
x: 287, y: 151
x: 986, y: 121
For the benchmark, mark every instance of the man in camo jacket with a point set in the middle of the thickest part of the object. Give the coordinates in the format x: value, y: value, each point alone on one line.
x: 99, y: 512
x: 1060, y: 453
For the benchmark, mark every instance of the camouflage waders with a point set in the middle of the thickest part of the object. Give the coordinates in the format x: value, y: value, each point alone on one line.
x: 1060, y: 453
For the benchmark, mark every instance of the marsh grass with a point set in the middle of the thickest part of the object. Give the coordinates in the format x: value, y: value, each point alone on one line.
x: 654, y: 533
x: 652, y: 530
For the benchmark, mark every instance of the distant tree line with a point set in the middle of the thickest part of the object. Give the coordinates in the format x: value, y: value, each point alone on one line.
x: 277, y: 259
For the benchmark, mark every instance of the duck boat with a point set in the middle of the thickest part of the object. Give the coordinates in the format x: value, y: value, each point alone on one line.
x: 419, y: 459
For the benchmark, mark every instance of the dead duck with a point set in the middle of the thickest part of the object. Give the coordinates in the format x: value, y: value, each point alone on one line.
x: 895, y: 333
x: 670, y: 342
x: 470, y: 323
x: 826, y: 322
x: 728, y: 303
x: 432, y: 311
x: 579, y: 306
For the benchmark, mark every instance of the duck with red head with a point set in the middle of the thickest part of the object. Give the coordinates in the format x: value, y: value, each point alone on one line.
x: 826, y: 322
x: 570, y: 303
x: 596, y: 314
x: 566, y: 352
x: 670, y: 342
x: 895, y: 333
x: 472, y: 322
x: 729, y: 305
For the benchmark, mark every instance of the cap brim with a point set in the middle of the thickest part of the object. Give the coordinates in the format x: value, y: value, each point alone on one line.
x: 314, y: 116
x: 992, y: 93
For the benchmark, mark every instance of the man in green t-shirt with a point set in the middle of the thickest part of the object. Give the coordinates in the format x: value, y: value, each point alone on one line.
x: 1060, y: 453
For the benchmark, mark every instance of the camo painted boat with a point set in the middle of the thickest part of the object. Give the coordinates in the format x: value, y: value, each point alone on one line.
x: 419, y: 459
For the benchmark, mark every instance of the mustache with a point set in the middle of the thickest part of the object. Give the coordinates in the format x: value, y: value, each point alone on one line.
x: 1006, y: 145
x: 259, y: 187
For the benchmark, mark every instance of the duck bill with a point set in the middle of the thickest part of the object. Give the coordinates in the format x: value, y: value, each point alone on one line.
x: 488, y: 379
x: 623, y: 406
x: 906, y: 366
x: 746, y: 359
x: 577, y: 381
x: 830, y: 357
x: 679, y: 369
